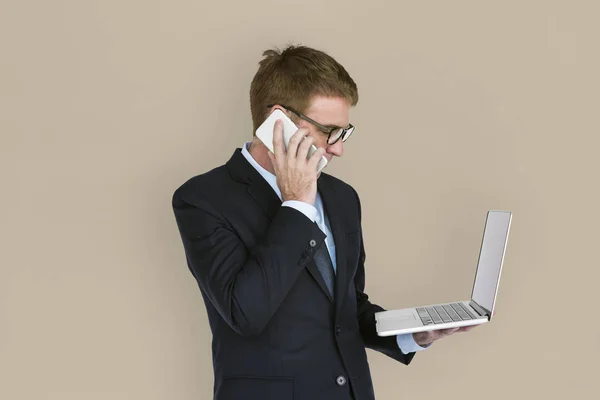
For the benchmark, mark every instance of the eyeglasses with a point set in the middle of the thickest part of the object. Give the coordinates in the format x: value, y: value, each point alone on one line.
x: 334, y: 133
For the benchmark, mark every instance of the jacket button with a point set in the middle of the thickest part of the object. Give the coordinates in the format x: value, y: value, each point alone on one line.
x: 337, y: 330
x: 312, y: 243
x: 340, y: 380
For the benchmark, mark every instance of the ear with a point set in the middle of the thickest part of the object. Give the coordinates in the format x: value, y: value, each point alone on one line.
x: 275, y: 107
x: 278, y: 107
x: 291, y: 115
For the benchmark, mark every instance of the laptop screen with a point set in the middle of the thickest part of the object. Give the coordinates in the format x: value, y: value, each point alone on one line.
x: 491, y: 257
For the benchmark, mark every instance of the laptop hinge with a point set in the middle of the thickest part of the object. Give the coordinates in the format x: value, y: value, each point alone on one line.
x: 480, y: 310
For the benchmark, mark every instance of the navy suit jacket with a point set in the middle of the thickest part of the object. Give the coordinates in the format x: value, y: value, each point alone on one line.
x: 277, y: 333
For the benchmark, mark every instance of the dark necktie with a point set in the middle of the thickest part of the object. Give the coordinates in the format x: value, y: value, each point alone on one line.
x: 325, y: 266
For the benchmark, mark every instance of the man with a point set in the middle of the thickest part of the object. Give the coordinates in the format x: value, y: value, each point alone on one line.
x: 277, y: 249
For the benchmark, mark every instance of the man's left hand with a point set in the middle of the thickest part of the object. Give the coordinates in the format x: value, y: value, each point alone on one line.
x: 428, y: 337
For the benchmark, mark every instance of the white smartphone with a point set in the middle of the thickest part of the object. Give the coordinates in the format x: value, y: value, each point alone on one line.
x: 265, y: 134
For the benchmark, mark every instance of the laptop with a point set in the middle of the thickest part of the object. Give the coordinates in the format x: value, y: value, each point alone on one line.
x: 478, y: 310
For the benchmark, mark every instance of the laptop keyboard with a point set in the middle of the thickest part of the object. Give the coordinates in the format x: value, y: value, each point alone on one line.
x: 452, y: 312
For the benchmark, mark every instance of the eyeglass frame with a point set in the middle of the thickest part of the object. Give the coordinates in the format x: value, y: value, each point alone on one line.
x: 327, y: 130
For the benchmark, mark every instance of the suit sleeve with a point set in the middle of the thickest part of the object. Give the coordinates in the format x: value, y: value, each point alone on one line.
x: 246, y: 286
x: 366, y: 313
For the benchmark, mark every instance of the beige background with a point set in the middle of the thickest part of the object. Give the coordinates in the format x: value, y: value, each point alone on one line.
x: 108, y: 106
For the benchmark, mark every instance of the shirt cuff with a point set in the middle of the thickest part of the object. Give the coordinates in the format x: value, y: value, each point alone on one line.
x: 307, y: 209
x: 407, y: 344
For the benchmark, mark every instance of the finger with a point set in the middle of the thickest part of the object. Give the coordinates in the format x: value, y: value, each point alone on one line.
x: 315, y: 158
x: 292, y: 149
x: 449, y: 331
x: 278, y: 146
x: 305, y: 144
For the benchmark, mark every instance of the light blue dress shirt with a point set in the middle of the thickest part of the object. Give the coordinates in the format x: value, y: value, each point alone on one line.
x: 316, y: 213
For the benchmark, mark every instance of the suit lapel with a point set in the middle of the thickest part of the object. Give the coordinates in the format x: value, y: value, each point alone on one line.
x: 265, y: 196
x: 259, y: 189
x: 333, y: 208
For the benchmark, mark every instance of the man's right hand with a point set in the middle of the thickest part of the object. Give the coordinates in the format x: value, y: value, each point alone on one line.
x: 296, y: 175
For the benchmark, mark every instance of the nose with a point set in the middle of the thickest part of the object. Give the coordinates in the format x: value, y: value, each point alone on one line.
x: 337, y: 149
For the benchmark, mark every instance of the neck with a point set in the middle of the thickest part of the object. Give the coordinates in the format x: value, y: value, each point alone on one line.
x: 259, y: 152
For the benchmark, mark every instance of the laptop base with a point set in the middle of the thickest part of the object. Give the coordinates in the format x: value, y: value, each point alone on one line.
x: 428, y: 318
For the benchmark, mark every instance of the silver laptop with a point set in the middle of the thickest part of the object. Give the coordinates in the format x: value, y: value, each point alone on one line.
x: 478, y: 310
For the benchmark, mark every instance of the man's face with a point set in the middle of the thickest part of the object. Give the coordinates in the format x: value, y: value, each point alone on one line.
x: 330, y: 112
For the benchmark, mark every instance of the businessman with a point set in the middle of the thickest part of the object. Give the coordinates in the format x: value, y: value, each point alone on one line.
x: 277, y: 248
